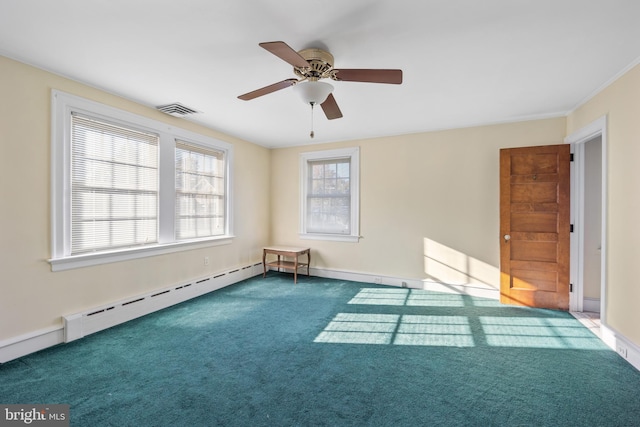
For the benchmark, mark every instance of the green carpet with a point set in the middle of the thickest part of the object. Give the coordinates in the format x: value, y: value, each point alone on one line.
x: 325, y: 352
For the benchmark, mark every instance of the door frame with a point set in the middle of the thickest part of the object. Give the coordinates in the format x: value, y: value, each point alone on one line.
x: 577, y: 140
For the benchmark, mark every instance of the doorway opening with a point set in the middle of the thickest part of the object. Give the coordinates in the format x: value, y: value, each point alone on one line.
x: 588, y: 217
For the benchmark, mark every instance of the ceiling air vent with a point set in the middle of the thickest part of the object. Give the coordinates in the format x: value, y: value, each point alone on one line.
x: 177, y: 110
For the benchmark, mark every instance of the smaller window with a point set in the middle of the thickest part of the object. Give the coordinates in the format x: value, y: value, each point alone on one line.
x: 200, y: 192
x: 329, y: 201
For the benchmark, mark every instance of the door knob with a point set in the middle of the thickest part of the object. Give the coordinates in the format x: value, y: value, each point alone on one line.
x: 507, y: 237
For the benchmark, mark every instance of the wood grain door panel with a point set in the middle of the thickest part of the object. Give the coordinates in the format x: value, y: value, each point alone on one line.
x: 546, y: 222
x: 534, y: 163
x: 539, y: 192
x: 534, y: 215
x: 534, y: 251
x: 534, y: 280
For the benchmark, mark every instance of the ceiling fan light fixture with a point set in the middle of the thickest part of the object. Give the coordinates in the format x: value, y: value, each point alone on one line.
x: 313, y: 92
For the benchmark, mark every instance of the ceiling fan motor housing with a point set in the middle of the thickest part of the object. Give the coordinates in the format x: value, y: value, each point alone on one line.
x: 321, y: 65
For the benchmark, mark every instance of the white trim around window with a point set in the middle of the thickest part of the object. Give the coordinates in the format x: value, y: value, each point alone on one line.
x: 347, y: 228
x: 63, y: 105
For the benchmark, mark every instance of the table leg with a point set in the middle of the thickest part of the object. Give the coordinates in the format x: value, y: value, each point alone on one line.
x: 264, y: 264
x: 295, y: 270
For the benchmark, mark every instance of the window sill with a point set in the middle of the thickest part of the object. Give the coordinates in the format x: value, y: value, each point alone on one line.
x: 331, y: 237
x: 87, y: 260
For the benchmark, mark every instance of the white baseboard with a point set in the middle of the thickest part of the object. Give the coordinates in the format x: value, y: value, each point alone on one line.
x: 621, y: 345
x: 78, y: 325
x: 22, y: 345
x: 472, y: 289
x: 366, y: 278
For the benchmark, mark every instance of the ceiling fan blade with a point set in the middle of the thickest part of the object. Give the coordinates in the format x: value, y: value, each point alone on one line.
x: 369, y: 76
x: 286, y: 53
x: 330, y: 108
x: 268, y: 89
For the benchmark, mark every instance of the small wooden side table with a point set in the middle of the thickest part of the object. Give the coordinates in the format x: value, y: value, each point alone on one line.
x: 284, y: 252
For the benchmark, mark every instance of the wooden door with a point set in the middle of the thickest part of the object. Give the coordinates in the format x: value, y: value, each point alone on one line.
x: 534, y: 226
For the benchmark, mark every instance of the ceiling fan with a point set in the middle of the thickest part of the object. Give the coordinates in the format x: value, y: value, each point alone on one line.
x: 313, y: 65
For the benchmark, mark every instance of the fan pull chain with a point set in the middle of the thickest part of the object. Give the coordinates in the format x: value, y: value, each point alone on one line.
x: 312, y: 134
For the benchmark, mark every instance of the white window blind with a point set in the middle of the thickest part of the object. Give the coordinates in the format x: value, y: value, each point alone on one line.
x: 329, y: 196
x: 114, y: 186
x: 200, y: 192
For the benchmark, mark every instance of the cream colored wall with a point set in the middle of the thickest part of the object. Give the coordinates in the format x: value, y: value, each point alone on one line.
x: 620, y: 102
x: 429, y: 202
x: 31, y: 296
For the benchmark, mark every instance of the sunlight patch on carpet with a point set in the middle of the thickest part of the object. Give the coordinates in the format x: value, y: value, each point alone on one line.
x: 538, y: 332
x: 358, y: 328
x: 441, y: 331
x: 406, y: 297
x: 374, y: 296
x: 419, y: 298
x: 456, y: 331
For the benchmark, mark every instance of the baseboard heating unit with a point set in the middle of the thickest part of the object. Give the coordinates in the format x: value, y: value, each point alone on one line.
x: 81, y: 324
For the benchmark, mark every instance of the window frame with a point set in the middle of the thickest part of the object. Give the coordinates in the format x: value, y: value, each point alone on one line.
x: 62, y: 106
x: 351, y: 153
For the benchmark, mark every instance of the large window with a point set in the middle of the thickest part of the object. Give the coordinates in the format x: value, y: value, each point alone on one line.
x: 124, y: 186
x: 329, y: 194
x: 114, y: 186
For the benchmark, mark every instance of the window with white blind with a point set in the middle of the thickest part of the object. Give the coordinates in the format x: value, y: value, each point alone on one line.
x: 125, y: 186
x: 329, y: 198
x: 114, y: 186
x: 200, y: 191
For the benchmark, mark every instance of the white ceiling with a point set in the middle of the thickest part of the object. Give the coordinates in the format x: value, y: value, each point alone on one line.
x: 465, y: 62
